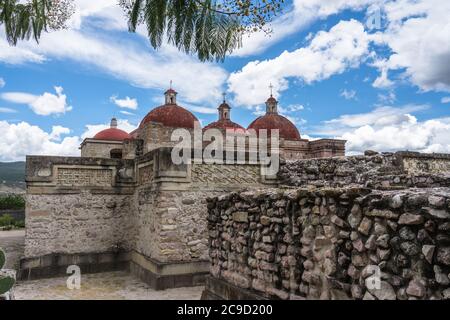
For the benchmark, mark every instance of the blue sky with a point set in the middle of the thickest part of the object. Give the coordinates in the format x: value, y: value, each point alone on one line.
x: 376, y: 73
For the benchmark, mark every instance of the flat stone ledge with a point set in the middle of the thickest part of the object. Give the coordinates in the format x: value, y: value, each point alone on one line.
x: 55, y: 265
x: 161, y: 276
x: 217, y: 289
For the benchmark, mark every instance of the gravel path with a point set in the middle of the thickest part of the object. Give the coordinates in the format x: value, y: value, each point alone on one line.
x: 13, y: 243
x: 102, y: 286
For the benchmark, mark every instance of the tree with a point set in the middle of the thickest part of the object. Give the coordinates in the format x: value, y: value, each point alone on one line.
x: 209, y: 28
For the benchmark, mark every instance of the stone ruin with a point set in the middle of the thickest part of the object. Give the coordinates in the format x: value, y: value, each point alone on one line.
x: 365, y: 227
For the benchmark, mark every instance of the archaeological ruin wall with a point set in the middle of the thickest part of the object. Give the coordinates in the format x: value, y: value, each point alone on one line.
x: 77, y: 212
x: 147, y: 215
x: 366, y: 227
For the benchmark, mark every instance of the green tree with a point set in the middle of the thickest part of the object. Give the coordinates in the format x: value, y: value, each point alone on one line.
x: 211, y: 29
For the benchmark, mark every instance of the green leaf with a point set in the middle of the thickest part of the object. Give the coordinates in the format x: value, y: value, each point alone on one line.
x: 6, y: 283
x: 2, y: 259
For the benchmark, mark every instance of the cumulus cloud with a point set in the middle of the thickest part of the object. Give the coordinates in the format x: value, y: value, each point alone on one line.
x: 329, y: 53
x: 44, y: 105
x: 2, y: 83
x: 21, y: 139
x: 127, y: 102
x: 295, y: 18
x: 93, y: 129
x: 129, y: 60
x: 349, y: 94
x: 390, y: 129
x: 418, y: 36
x: 445, y: 100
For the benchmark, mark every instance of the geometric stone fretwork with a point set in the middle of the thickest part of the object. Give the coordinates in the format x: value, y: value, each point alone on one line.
x: 436, y: 166
x: 146, y: 174
x: 78, y: 177
x: 226, y: 174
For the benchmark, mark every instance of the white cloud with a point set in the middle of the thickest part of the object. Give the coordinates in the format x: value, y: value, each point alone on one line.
x: 380, y: 116
x: 349, y: 94
x: 129, y: 60
x: 390, y: 129
x: 93, y: 129
x: 2, y: 83
x: 302, y: 14
x: 44, y: 105
x: 127, y: 102
x: 127, y: 113
x: 388, y: 98
x: 7, y: 110
x: 328, y: 53
x: 418, y: 36
x: 21, y: 139
x: 445, y: 100
x: 57, y: 132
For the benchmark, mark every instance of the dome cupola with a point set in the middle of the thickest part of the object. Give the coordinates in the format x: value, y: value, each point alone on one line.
x: 224, y: 121
x: 112, y: 133
x: 273, y: 121
x: 170, y: 114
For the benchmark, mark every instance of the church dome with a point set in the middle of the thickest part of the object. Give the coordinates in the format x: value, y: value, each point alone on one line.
x: 170, y: 114
x: 272, y: 121
x: 224, y: 121
x: 112, y: 133
x: 224, y: 124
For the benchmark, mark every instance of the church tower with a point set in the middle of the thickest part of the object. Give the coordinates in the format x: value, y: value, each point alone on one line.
x: 171, y: 95
x: 271, y: 103
x: 224, y: 110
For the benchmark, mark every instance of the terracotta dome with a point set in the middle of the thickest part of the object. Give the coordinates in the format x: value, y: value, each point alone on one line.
x: 171, y: 115
x: 224, y: 124
x: 112, y: 133
x: 272, y: 121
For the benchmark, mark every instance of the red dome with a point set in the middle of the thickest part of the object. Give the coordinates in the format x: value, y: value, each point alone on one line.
x: 223, y: 124
x: 112, y: 134
x: 272, y: 121
x: 171, y: 115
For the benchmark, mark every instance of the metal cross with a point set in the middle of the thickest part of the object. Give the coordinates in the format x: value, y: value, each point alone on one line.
x: 271, y: 89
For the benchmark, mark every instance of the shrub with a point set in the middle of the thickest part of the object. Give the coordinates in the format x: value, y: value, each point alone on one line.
x: 6, y: 220
x: 12, y: 201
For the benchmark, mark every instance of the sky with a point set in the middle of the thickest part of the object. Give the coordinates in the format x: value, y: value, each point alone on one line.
x: 375, y: 73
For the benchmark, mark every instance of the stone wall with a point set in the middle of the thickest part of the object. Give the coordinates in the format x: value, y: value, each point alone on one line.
x: 92, y: 148
x: 170, y: 204
x: 330, y: 243
x: 77, y: 223
x: 373, y: 170
x: 78, y: 205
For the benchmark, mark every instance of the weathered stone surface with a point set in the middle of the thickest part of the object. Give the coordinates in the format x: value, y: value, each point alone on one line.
x: 240, y: 216
x: 443, y: 255
x: 416, y: 289
x: 410, y: 219
x: 428, y: 252
x: 440, y: 214
x: 385, y: 292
